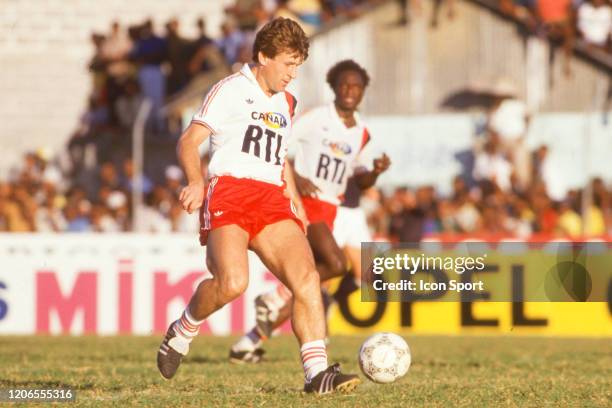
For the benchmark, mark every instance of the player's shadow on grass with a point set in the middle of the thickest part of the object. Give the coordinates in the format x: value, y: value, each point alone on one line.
x: 45, y: 384
x: 204, y: 360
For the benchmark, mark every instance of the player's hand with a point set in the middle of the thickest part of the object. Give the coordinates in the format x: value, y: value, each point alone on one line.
x: 192, y: 197
x: 381, y: 164
x: 305, y: 187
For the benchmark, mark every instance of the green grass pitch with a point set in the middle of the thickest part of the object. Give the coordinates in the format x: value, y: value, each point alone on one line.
x: 446, y: 371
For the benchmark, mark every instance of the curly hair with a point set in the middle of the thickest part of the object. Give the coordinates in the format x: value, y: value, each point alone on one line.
x: 346, y: 65
x: 279, y: 35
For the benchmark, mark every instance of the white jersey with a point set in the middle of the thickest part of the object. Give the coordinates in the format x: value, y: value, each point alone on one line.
x: 250, y: 130
x: 328, y: 152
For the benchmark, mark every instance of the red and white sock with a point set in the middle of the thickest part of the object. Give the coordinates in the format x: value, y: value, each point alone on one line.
x: 187, y: 327
x: 249, y: 341
x: 314, y: 358
x: 278, y: 297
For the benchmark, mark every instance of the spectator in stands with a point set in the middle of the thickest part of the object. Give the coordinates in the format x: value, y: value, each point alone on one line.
x: 336, y: 8
x: 596, y: 214
x: 127, y: 178
x: 155, y: 213
x: 178, y: 54
x: 49, y: 216
x: 570, y: 222
x: 174, y: 179
x: 309, y: 11
x: 413, y: 220
x: 494, y: 220
x: 491, y: 165
x: 520, y: 9
x: 118, y: 204
x: 11, y: 214
x: 205, y: 55
x: 466, y: 217
x: 546, y: 215
x: 231, y: 41
x: 128, y: 105
x: 545, y: 174
x: 603, y: 200
x: 404, y: 15
x: 555, y: 18
x: 97, y: 66
x: 150, y: 51
x: 203, y: 38
x: 77, y: 216
x: 109, y: 177
x: 283, y: 10
x: 435, y: 15
x: 595, y: 22
x: 93, y: 130
x: 244, y: 14
x: 102, y: 221
x: 509, y: 120
x: 114, y: 51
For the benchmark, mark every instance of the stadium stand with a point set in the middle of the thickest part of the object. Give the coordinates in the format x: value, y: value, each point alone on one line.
x: 85, y: 184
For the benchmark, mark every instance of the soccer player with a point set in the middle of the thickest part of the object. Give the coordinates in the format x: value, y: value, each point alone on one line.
x: 248, y: 117
x: 350, y: 230
x: 333, y: 145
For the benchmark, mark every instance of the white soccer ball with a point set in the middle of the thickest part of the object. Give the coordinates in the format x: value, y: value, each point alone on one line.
x: 384, y: 357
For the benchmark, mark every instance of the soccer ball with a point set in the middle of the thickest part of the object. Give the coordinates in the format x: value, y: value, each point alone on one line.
x: 384, y: 357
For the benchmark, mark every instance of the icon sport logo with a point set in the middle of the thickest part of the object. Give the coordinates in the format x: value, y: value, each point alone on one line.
x: 273, y: 120
x: 339, y: 149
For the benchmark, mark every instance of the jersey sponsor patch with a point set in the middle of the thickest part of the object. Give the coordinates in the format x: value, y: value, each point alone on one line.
x: 274, y: 120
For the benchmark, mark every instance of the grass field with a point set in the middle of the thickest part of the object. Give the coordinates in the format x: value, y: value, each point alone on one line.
x: 446, y: 371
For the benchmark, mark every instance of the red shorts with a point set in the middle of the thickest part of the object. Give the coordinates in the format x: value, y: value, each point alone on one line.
x: 248, y: 203
x: 320, y: 211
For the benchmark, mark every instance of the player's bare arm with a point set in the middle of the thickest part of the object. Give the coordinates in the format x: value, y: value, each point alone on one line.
x: 305, y: 187
x: 192, y: 195
x: 368, y: 179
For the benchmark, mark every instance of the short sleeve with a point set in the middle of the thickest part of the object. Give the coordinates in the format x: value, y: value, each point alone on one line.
x: 292, y: 103
x: 301, y: 126
x: 364, y: 160
x: 215, y: 110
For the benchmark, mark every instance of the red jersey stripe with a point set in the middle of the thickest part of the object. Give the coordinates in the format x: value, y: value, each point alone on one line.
x: 364, y: 139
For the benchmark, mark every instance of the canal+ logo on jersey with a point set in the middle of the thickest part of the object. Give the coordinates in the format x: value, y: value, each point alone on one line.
x: 339, y: 149
x: 273, y: 120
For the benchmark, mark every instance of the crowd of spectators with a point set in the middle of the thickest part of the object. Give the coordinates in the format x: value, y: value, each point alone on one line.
x: 485, y: 211
x: 145, y: 61
x: 565, y: 20
x: 39, y: 198
x: 489, y: 202
x: 509, y: 190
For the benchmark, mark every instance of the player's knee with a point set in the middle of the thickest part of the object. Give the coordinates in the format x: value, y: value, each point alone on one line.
x: 309, y: 282
x: 232, y: 287
x: 336, y: 265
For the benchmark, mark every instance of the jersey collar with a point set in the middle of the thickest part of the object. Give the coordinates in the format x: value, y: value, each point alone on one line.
x: 248, y: 73
x: 334, y: 114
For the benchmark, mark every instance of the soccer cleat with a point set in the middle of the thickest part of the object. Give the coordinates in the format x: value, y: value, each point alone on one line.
x: 170, y: 353
x: 246, y: 356
x: 265, y: 316
x: 332, y: 380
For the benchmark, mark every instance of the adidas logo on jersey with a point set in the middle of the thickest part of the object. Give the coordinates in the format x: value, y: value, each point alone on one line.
x: 218, y: 213
x: 249, y: 101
